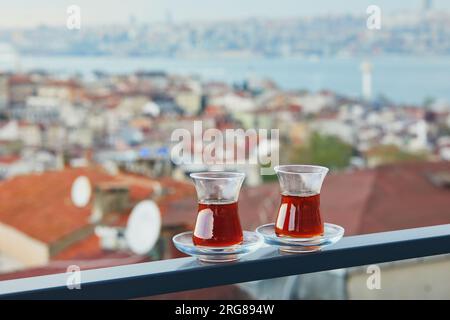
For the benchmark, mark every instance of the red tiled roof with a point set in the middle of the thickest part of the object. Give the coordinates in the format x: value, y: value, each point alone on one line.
x: 403, y: 197
x: 40, y: 206
x: 291, y: 108
x: 344, y: 198
x: 71, y: 83
x: 18, y: 79
x: 9, y: 159
x: 173, y: 204
x: 86, y: 248
x: 24, y: 123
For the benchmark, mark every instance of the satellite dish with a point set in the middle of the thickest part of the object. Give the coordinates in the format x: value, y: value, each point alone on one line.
x: 81, y: 191
x: 143, y: 227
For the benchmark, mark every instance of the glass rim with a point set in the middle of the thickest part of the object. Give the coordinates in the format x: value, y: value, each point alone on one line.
x: 214, y: 175
x: 313, y: 169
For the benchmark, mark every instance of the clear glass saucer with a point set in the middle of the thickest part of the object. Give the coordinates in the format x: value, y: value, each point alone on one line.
x: 252, y: 241
x: 332, y: 234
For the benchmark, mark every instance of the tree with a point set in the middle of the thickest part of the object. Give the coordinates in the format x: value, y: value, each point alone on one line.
x: 384, y: 154
x: 324, y: 150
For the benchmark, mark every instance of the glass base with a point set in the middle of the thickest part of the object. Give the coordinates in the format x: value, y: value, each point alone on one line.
x: 216, y: 258
x: 332, y: 234
x: 252, y: 241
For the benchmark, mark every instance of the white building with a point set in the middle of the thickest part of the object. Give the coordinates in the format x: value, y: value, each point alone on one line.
x: 314, y: 102
x: 9, y: 131
x: 234, y: 103
x: 335, y: 127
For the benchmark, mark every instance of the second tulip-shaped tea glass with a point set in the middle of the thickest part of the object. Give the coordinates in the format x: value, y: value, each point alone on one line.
x: 299, y: 213
x: 218, y: 223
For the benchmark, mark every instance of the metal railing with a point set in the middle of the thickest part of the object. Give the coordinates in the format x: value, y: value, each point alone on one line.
x: 165, y: 276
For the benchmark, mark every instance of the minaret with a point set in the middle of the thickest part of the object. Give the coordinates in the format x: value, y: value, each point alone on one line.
x: 366, y: 70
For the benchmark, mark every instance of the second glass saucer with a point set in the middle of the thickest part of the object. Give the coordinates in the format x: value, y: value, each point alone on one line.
x: 252, y: 241
x: 332, y: 234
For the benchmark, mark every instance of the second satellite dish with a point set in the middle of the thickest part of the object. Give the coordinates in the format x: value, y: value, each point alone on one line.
x: 143, y: 227
x: 81, y: 191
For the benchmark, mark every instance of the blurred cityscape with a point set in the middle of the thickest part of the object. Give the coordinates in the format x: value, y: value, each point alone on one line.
x: 390, y: 161
x: 421, y: 31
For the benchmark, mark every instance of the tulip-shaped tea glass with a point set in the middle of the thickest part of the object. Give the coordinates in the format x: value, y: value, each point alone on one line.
x: 218, y: 223
x: 299, y: 212
x: 299, y: 226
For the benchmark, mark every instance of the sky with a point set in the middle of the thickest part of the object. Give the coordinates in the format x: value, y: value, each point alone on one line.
x: 29, y: 13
